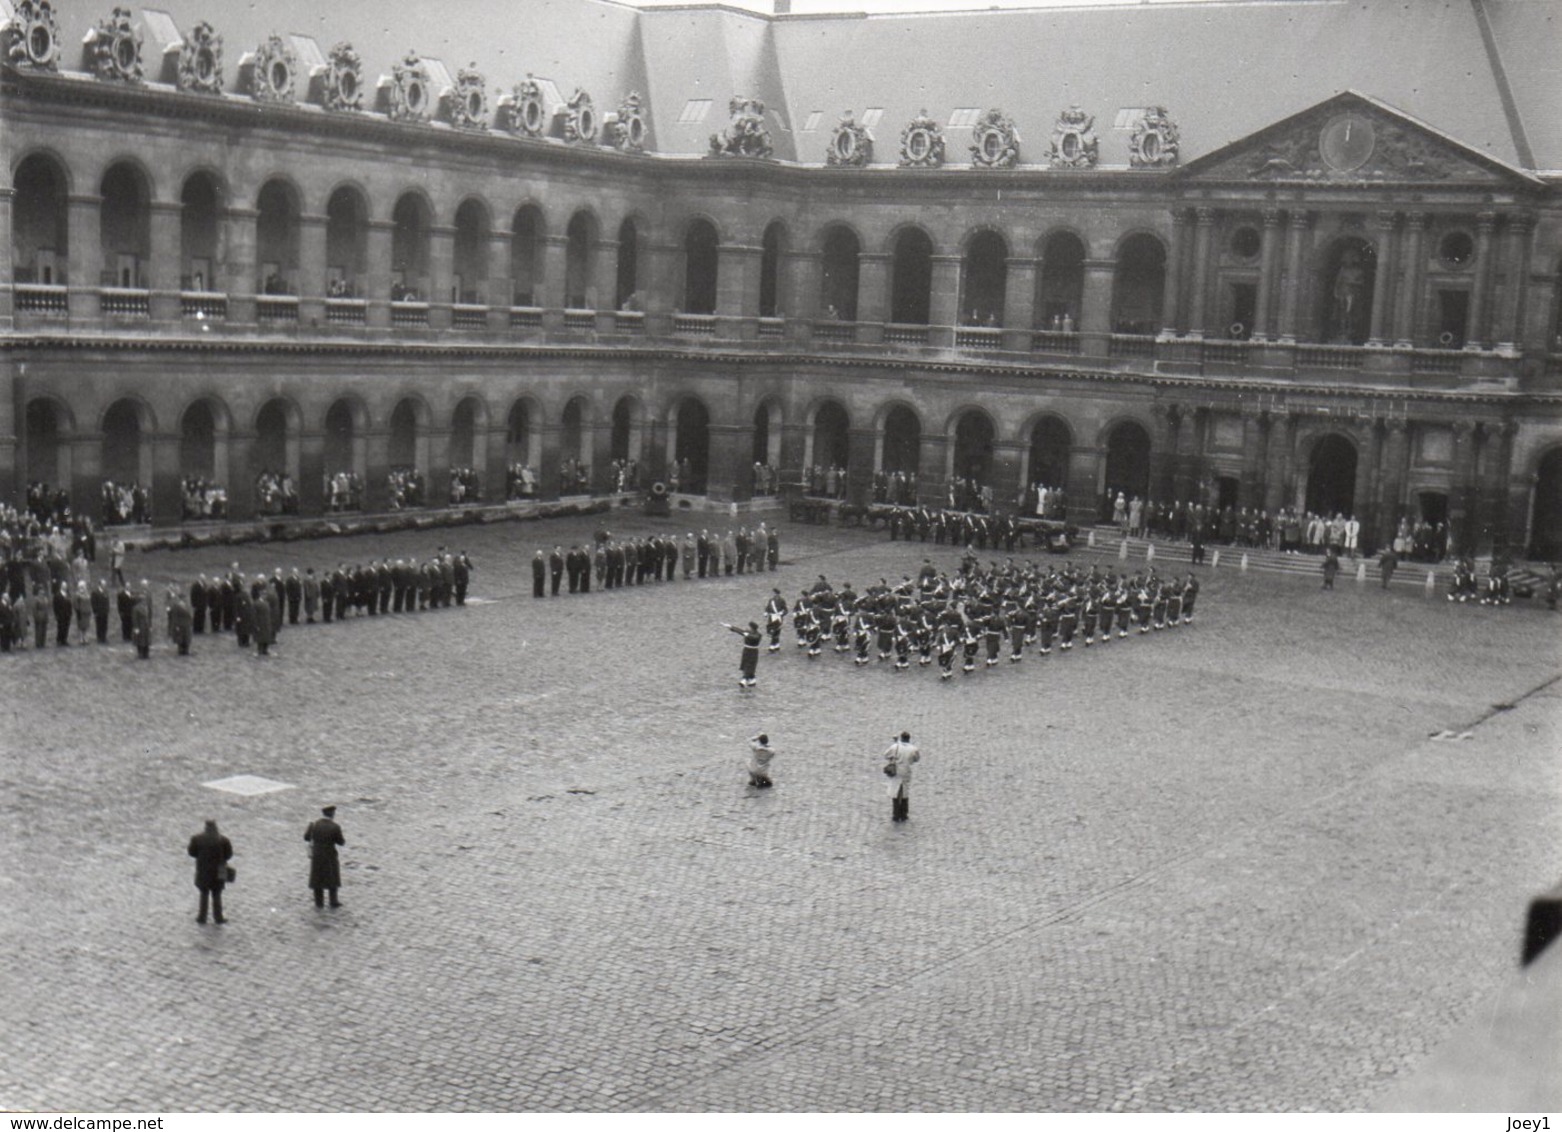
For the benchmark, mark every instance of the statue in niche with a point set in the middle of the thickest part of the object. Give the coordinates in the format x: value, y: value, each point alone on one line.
x: 1350, y: 295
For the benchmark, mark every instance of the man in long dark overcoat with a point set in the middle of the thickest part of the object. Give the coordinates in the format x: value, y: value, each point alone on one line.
x: 325, y: 870
x: 211, y: 851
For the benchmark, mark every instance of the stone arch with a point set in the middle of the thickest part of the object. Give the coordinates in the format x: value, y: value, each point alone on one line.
x: 202, y: 199
x: 839, y: 271
x: 277, y: 236
x: 911, y: 275
x: 127, y: 428
x: 899, y: 429
x: 1346, y: 273
x: 1138, y: 284
x: 581, y: 235
x: 688, y: 441
x: 412, y: 220
x: 575, y: 445
x: 628, y: 429
x: 346, y: 240
x: 523, y: 433
x: 1060, y: 282
x: 125, y: 224
x: 469, y: 259
x: 49, y: 428
x: 700, y: 266
x: 772, y: 249
x: 40, y: 219
x: 984, y: 278
x: 278, y: 425
x: 344, y: 448
x: 827, y: 435
x: 204, y: 430
x: 1545, y: 511
x: 1049, y: 441
x: 627, y: 270
x: 1126, y: 466
x: 408, y: 425
x: 467, y: 449
x: 973, y: 442
x: 1332, y: 460
x: 769, y: 418
x: 528, y: 226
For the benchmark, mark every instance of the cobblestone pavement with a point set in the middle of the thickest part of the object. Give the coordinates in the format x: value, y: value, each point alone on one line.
x: 1221, y: 867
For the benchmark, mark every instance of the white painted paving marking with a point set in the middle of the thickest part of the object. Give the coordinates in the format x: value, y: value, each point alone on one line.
x: 248, y: 785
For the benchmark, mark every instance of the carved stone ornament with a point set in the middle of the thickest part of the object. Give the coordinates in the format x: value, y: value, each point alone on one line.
x: 850, y: 143
x: 995, y: 143
x: 1399, y: 154
x: 275, y: 71
x: 1154, y: 141
x: 200, y: 61
x: 469, y: 100
x: 410, y: 99
x: 114, y: 49
x: 580, y: 118
x: 1074, y: 142
x: 746, y: 134
x: 523, y: 110
x: 922, y: 143
x: 627, y: 128
x: 32, y: 38
x: 342, y: 88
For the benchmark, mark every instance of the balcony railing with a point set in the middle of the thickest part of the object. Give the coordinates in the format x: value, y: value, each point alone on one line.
x: 578, y: 320
x: 629, y: 322
x: 525, y: 318
x: 1131, y: 346
x: 203, y: 306
x: 1436, y: 361
x: 772, y: 327
x: 903, y: 334
x: 42, y: 298
x: 276, y: 308
x: 978, y: 338
x: 1329, y: 357
x: 125, y: 302
x: 700, y: 324
x: 346, y: 312
x: 409, y: 315
x: 469, y: 316
x: 1225, y: 352
x: 833, y: 330
x: 1054, y: 342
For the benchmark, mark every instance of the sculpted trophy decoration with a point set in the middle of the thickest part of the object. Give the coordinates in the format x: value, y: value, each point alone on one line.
x: 580, y: 118
x: 995, y: 143
x: 1074, y: 142
x: 522, y: 110
x: 850, y: 144
x: 922, y: 143
x: 745, y: 134
x: 626, y: 129
x: 273, y: 70
x: 1154, y: 141
x: 114, y: 49
x: 32, y: 38
x: 408, y: 98
x: 342, y: 88
x: 468, y: 101
x: 200, y: 61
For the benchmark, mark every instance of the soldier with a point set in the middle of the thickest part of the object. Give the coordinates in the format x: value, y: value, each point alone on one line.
x: 325, y: 869
x: 263, y: 619
x: 775, y: 617
x: 293, y: 589
x: 463, y: 576
x: 311, y: 595
x: 181, y: 621
x: 141, y: 621
x: 40, y: 609
x: 556, y: 569
x: 198, y: 604
x: 748, y: 662
x: 62, y: 614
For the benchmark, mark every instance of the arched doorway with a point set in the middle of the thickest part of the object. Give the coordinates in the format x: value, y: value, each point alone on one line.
x: 839, y: 274
x: 48, y: 445
x: 1331, y: 477
x: 575, y: 449
x: 406, y: 439
x: 1127, y: 461
x: 1345, y: 298
x: 276, y: 239
x: 1060, y: 290
x: 581, y: 237
x: 199, y: 233
x: 902, y: 442
x: 971, y: 460
x: 1138, y: 285
x: 127, y: 462
x: 628, y: 274
x: 468, y: 451
x: 691, y: 448
x: 767, y: 448
x: 1050, y: 443
x: 344, y: 456
x: 1545, y: 522
x: 699, y: 275
x: 984, y: 275
x: 125, y: 227
x: 39, y: 225
x: 624, y: 444
x: 469, y: 284
x: 830, y: 443
x: 410, y: 224
x: 526, y: 257
x: 275, y: 462
x: 911, y: 278
x: 198, y: 443
x: 770, y: 251
x: 346, y: 243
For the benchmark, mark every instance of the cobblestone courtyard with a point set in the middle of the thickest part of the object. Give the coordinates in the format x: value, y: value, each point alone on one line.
x: 1224, y: 867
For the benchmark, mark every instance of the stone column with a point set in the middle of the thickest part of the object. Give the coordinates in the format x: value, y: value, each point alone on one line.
x: 873, y: 299
x: 241, y: 245
x: 1171, y: 308
x: 1497, y: 515
x: 501, y: 291
x: 1203, y: 241
x: 737, y: 290
x: 1282, y: 440
x: 1370, y: 445
x: 441, y: 276
x: 1480, y: 273
x: 1515, y: 262
x: 1084, y: 484
x: 7, y: 277
x: 1019, y: 303
x: 1391, y: 495
x: 1254, y: 436
x: 167, y: 490
x: 794, y: 439
x: 555, y: 274
x: 1382, y: 279
x: 163, y: 270
x: 311, y: 273
x: 1095, y: 315
x: 603, y: 288
x: 377, y: 274
x: 1008, y: 483
x: 86, y: 470
x: 1291, y: 290
x: 944, y: 302
x: 661, y: 286
x: 83, y: 219
x: 1267, y: 259
x: 311, y: 472
x: 799, y: 292
x: 860, y: 443
x: 1413, y: 267
x: 729, y: 474
x: 932, y: 481
x: 1461, y: 504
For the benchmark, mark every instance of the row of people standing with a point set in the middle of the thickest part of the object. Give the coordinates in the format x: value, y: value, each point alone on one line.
x: 957, y: 528
x: 613, y: 562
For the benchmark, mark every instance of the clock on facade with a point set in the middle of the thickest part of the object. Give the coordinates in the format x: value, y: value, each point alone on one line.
x: 1346, y: 143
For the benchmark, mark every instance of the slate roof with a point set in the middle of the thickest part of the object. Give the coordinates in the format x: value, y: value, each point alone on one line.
x: 1223, y: 70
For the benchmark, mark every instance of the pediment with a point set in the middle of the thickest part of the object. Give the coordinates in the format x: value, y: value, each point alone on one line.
x: 1351, y: 140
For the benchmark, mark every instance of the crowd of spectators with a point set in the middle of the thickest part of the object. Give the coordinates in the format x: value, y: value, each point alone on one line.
x: 895, y: 487
x: 343, y: 491
x: 968, y: 494
x: 404, y: 487
x: 48, y: 504
x: 202, y: 499
x: 624, y: 475
x: 766, y: 481
x: 574, y: 477
x: 829, y: 482
x: 1045, y: 501
x: 276, y: 494
x: 124, y: 503
x: 465, y: 487
x: 520, y: 482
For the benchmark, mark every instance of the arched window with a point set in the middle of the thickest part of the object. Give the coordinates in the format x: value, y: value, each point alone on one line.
x: 276, y: 239
x: 469, y: 282
x: 627, y: 290
x: 691, y: 450
x: 409, y: 249
x: 839, y: 270
x: 39, y: 222
x: 911, y: 278
x: 1061, y: 287
x: 1138, y: 286
x: 199, y: 234
x: 346, y: 243
x: 973, y: 449
x: 699, y: 279
x: 579, y: 287
x: 125, y: 227
x: 831, y: 437
x: 525, y: 257
x: 771, y: 249
x: 1128, y: 461
x: 984, y: 280
x: 902, y: 442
